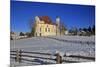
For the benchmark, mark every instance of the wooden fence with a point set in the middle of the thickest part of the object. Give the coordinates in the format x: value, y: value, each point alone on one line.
x: 20, y: 55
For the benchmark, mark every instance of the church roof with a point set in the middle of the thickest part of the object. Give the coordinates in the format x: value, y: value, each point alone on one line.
x: 46, y: 19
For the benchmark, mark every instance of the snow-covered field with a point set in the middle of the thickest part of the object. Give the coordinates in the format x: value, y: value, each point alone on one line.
x: 69, y: 45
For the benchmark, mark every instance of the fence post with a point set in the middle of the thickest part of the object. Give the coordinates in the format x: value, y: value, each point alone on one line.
x: 18, y: 55
x: 58, y: 58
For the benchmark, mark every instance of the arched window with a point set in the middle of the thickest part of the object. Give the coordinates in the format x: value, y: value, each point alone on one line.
x: 45, y: 29
x: 48, y: 29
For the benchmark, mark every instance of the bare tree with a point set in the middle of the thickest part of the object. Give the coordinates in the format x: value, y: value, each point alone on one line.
x: 31, y: 23
x: 32, y: 27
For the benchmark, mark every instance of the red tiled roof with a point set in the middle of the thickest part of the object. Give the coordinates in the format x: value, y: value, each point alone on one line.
x: 46, y: 19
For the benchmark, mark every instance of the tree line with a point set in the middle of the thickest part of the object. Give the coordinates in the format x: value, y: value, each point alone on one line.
x: 83, y: 31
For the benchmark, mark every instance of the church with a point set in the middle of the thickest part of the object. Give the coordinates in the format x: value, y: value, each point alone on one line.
x: 45, y: 27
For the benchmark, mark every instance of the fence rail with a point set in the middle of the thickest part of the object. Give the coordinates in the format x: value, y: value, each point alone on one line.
x: 83, y: 57
x: 20, y: 55
x: 34, y: 52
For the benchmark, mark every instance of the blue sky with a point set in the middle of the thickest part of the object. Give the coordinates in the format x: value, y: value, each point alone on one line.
x: 71, y: 15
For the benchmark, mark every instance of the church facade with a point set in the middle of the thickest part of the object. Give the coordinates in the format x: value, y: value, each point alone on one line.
x: 45, y: 27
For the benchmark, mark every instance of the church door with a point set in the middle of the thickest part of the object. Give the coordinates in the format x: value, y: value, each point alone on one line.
x: 40, y: 34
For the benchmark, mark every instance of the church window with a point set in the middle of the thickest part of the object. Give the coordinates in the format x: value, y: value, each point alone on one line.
x: 48, y: 29
x: 45, y: 29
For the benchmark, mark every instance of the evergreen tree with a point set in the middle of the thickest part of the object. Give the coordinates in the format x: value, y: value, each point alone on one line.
x: 93, y: 29
x: 28, y: 34
x: 80, y: 29
x: 85, y: 29
x: 89, y: 29
x: 32, y: 31
x: 21, y: 34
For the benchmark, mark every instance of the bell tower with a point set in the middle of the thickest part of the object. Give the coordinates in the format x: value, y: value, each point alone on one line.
x: 37, y: 21
x: 58, y: 25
